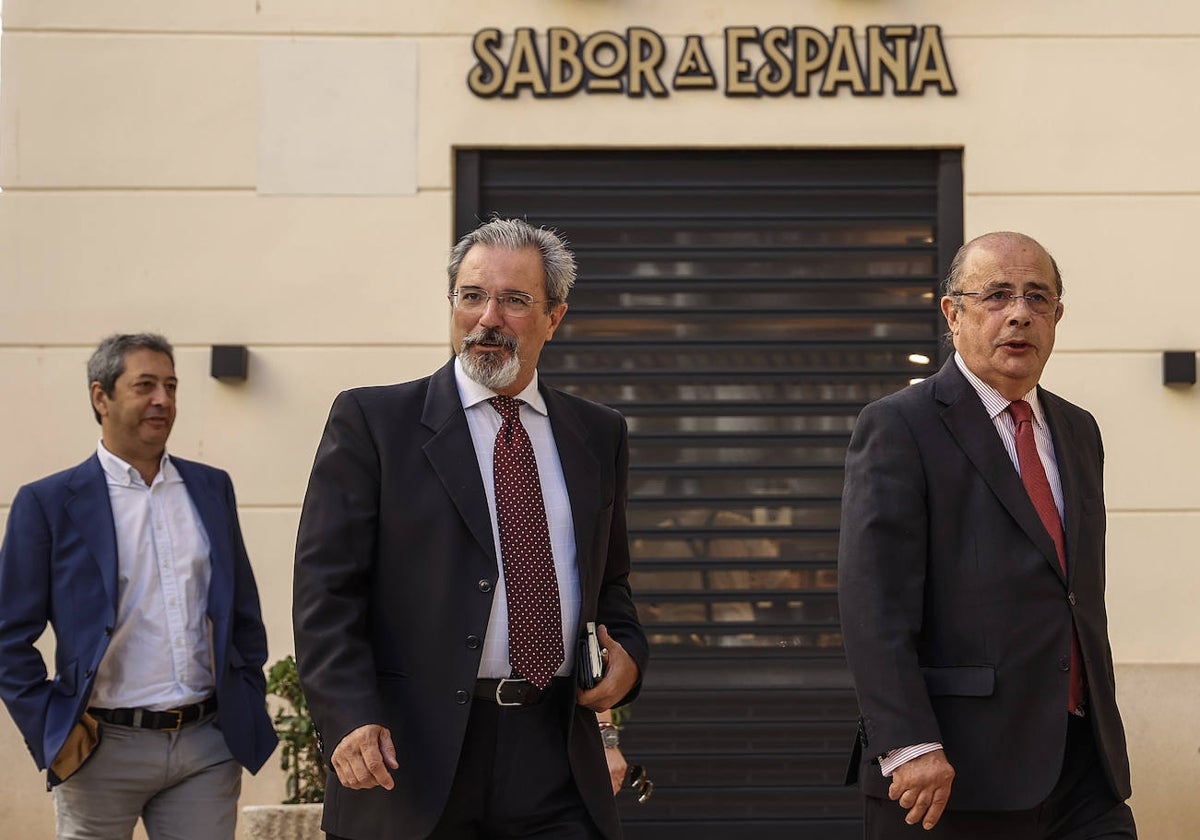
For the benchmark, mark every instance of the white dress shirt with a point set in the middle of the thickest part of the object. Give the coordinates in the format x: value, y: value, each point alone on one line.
x: 159, y: 656
x: 484, y: 422
x: 996, y: 405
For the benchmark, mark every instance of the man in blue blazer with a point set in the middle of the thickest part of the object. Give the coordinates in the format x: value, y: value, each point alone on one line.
x: 136, y: 560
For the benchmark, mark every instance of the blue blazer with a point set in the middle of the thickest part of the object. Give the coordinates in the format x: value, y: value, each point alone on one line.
x: 58, y: 564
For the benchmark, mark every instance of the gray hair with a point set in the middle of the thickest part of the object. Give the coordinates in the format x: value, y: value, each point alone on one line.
x: 953, y: 281
x: 108, y: 362
x: 558, y: 263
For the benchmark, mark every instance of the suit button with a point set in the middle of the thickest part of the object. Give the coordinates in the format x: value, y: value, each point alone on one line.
x: 461, y: 697
x: 108, y: 631
x: 485, y: 585
x: 1064, y: 663
x: 88, y: 674
x: 472, y: 641
x: 1071, y: 598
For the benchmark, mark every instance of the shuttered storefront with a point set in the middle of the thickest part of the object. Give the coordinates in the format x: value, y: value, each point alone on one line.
x: 739, y: 308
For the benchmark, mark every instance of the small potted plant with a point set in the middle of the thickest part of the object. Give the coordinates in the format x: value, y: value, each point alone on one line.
x: 299, y: 816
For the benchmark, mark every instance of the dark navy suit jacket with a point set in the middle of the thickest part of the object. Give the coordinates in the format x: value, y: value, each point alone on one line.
x: 395, y: 562
x: 58, y: 564
x: 956, y: 614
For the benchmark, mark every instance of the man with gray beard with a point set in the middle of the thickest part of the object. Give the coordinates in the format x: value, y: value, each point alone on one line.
x: 458, y: 534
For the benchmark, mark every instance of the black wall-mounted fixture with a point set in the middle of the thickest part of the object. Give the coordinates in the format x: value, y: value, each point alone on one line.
x: 1179, y: 367
x: 230, y: 362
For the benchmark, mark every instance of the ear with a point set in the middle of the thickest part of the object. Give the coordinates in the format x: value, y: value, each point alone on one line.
x: 1058, y: 313
x: 556, y: 316
x: 99, y: 399
x: 950, y: 312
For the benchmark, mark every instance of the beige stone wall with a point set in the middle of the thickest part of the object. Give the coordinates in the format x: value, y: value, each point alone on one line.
x: 278, y: 174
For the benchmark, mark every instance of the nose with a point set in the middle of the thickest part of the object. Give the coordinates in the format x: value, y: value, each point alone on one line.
x: 1016, y: 316
x: 492, y: 315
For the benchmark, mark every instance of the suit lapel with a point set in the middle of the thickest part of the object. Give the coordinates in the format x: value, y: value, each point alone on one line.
x: 89, y: 509
x: 451, y: 453
x: 210, y: 506
x: 580, y: 471
x: 968, y: 423
x: 1065, y: 455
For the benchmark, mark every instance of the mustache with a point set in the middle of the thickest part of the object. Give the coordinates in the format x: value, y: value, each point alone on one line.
x: 490, y: 335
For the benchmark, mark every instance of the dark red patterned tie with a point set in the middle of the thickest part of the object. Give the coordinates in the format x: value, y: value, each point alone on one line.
x: 1033, y: 476
x: 535, y: 646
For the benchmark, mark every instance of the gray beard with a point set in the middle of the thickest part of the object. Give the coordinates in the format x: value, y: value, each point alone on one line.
x: 488, y: 371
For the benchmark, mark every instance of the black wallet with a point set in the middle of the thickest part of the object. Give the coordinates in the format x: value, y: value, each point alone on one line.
x: 589, y: 665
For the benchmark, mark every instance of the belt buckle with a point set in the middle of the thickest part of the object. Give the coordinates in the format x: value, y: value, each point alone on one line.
x: 178, y: 719
x: 500, y: 688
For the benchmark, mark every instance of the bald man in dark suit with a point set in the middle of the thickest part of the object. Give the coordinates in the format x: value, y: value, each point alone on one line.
x: 971, y: 576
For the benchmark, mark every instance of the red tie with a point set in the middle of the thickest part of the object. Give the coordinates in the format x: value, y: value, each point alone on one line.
x: 1033, y: 476
x: 535, y: 645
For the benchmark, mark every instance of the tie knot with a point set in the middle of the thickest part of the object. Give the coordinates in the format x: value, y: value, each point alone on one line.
x: 1021, y: 411
x: 507, y: 407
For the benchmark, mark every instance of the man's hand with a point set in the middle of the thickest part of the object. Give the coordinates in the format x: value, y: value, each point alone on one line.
x: 363, y: 757
x: 617, y: 767
x: 620, y: 676
x: 923, y: 787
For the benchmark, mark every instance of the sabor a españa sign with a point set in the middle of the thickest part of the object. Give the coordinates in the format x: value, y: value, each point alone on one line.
x: 905, y: 60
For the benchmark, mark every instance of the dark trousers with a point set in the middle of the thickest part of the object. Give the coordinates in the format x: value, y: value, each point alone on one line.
x: 1081, y: 806
x: 513, y: 778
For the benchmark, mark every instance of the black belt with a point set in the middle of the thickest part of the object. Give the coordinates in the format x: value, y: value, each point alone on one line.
x: 169, y: 719
x: 514, y: 691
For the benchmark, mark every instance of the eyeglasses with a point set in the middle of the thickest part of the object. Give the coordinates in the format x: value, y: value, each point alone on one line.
x: 636, y: 778
x: 997, y: 300
x: 472, y: 300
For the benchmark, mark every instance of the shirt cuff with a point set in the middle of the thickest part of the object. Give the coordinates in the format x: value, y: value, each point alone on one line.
x: 889, y: 762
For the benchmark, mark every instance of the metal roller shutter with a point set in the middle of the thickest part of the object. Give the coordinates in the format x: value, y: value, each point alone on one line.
x: 739, y: 308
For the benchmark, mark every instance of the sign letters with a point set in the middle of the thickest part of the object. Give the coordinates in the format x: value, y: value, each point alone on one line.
x: 905, y: 60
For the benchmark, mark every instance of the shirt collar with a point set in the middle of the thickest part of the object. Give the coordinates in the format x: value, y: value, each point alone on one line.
x: 472, y: 393
x: 993, y: 401
x: 119, y: 471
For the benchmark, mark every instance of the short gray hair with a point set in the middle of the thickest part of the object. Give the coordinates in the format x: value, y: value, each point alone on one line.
x: 108, y: 362
x: 558, y: 263
x: 953, y: 281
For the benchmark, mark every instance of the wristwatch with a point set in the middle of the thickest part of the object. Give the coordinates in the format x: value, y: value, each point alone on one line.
x: 610, y: 735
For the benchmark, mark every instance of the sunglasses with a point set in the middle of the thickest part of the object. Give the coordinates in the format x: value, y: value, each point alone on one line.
x: 636, y: 778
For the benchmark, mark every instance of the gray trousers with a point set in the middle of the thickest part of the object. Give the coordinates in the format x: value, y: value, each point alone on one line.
x: 183, y: 785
